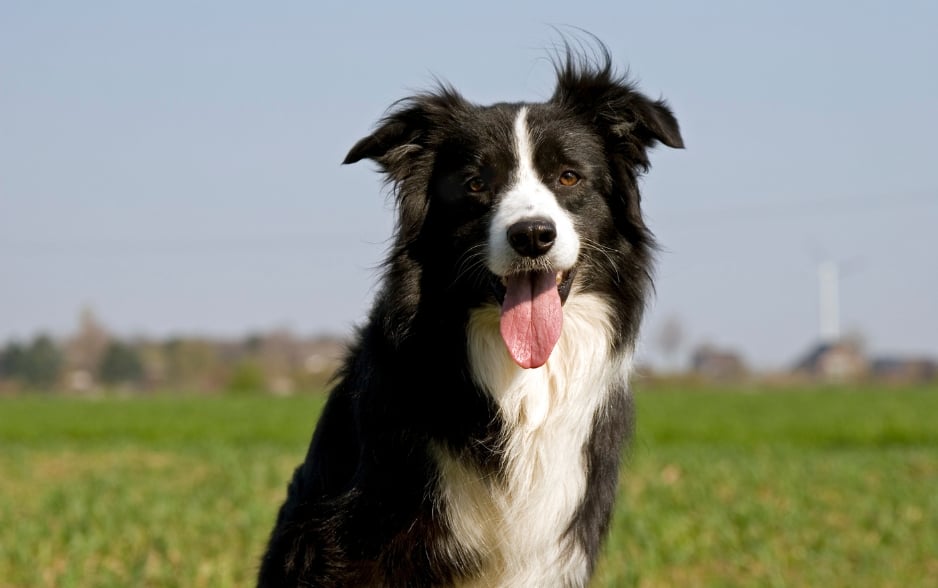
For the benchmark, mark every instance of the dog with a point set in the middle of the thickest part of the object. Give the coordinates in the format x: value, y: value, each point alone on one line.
x: 474, y: 433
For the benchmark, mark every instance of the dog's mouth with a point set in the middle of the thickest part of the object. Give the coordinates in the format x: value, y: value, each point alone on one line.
x: 531, y: 312
x: 563, y: 281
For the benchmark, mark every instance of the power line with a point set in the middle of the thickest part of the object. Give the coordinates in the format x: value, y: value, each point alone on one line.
x: 801, y: 207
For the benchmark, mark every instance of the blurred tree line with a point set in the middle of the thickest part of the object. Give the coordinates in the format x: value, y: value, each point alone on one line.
x: 92, y: 360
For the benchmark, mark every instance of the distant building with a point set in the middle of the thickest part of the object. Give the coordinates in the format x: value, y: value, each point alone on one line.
x: 898, y: 369
x: 837, y: 361
x: 324, y: 355
x: 713, y: 363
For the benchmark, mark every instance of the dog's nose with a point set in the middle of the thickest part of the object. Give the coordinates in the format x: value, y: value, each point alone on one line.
x: 532, y: 238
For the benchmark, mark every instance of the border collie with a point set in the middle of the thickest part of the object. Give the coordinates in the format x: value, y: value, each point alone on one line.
x: 473, y: 437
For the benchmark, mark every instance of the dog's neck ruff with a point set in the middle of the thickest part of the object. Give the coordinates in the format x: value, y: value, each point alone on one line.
x: 517, y: 524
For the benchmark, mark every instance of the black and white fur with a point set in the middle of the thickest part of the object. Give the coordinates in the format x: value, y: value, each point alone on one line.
x: 438, y: 461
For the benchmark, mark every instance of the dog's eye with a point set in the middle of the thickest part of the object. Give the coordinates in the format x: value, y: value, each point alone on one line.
x: 476, y: 185
x: 569, y: 178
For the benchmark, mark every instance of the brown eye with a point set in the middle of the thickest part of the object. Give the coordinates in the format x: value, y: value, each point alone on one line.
x: 476, y: 185
x: 569, y: 178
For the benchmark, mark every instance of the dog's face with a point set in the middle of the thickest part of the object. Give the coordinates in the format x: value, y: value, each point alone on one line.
x: 522, y: 204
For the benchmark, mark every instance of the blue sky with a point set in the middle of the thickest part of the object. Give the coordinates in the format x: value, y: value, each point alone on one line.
x: 175, y: 165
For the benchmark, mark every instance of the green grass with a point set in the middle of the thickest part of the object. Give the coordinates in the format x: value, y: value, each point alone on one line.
x: 794, y: 488
x: 773, y: 488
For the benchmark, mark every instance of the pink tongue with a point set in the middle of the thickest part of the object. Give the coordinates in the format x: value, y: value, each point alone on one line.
x: 531, y: 317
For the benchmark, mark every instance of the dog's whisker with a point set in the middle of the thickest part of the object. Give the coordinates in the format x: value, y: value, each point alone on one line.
x: 472, y: 263
x: 605, y: 251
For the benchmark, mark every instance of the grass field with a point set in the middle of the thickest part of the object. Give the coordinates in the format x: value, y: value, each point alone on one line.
x: 783, y: 488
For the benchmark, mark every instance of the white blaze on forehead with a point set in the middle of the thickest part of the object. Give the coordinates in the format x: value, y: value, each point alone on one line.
x: 528, y: 198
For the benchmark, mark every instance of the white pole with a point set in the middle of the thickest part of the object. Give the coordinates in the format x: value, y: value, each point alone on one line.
x: 829, y: 308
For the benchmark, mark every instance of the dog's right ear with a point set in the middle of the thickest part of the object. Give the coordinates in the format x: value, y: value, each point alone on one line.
x: 406, y: 130
x: 399, y: 130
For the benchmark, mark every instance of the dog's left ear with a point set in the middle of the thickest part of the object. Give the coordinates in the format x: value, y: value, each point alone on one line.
x: 650, y: 122
x: 630, y: 121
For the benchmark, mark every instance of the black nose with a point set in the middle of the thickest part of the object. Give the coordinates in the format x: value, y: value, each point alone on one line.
x: 532, y: 238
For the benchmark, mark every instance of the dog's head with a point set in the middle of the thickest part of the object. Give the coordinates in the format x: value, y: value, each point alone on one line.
x: 520, y: 204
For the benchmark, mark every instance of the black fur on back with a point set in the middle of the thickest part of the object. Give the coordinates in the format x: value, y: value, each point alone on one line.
x: 363, y: 508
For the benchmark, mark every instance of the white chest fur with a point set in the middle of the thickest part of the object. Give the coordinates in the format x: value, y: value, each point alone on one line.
x: 518, y: 523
